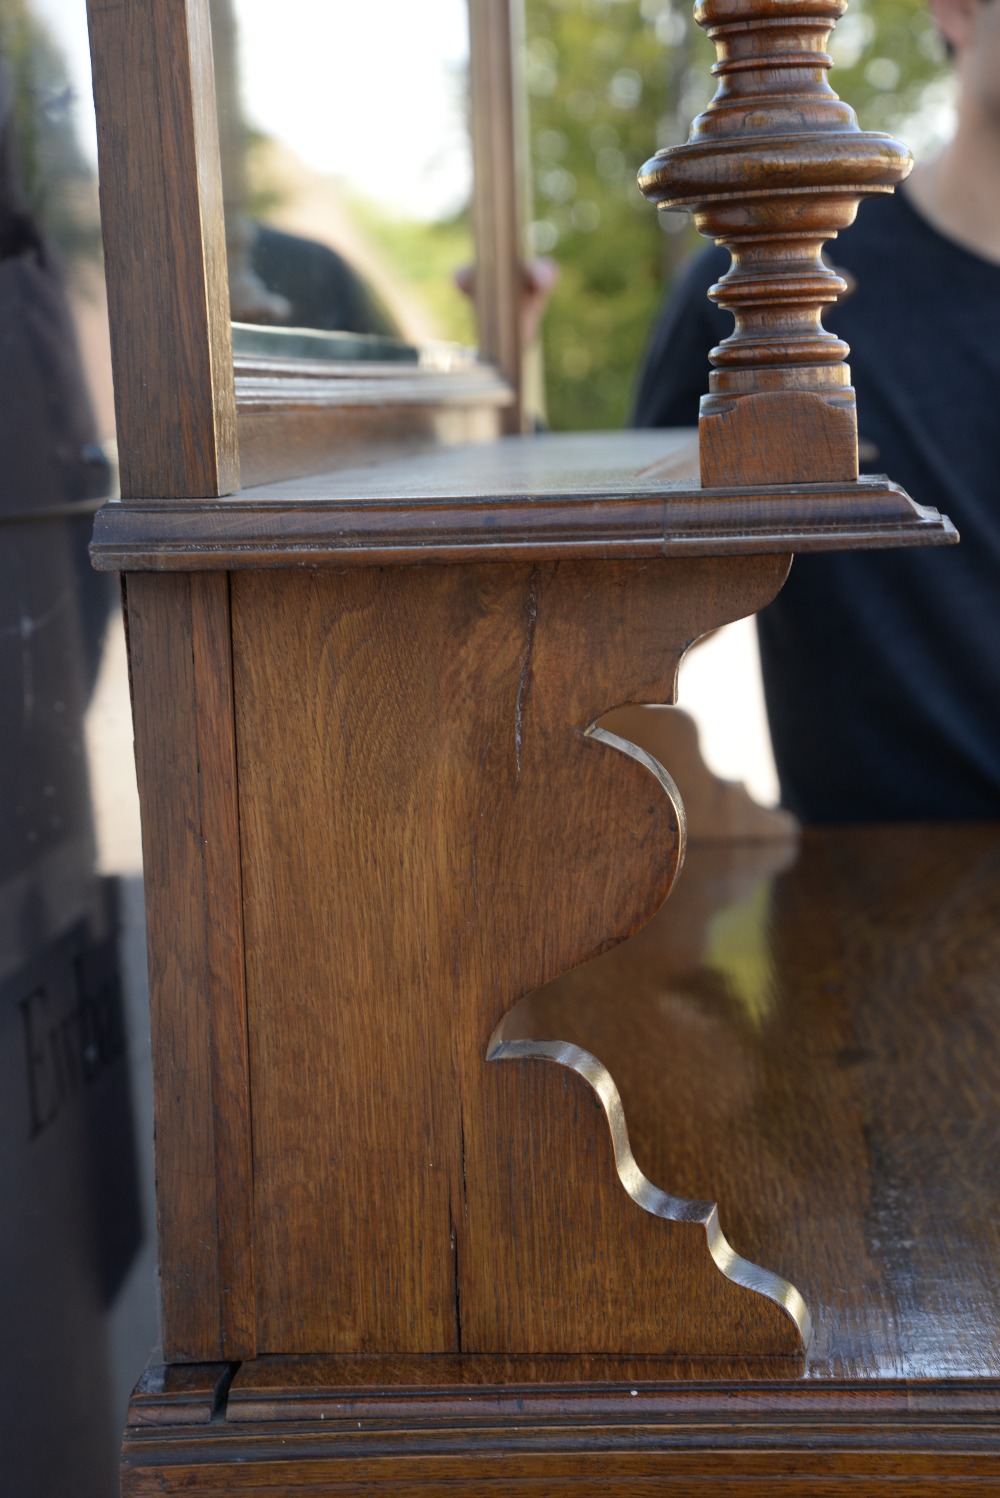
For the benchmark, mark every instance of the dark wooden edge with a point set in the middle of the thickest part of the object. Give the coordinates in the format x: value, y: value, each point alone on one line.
x: 164, y: 246
x: 230, y: 1054
x: 276, y: 384
x: 180, y: 1393
x: 161, y: 654
x: 650, y: 521
x: 297, y: 420
x: 181, y: 674
x: 524, y: 1437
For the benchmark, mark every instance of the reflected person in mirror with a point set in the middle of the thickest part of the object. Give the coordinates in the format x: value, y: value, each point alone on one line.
x: 882, y: 670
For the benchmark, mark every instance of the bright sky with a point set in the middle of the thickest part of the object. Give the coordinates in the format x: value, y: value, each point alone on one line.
x: 373, y: 92
x: 67, y: 21
x: 370, y: 91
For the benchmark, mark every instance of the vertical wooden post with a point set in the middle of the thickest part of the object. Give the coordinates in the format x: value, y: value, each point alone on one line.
x: 499, y: 153
x: 775, y: 167
x: 165, y: 247
x: 179, y: 630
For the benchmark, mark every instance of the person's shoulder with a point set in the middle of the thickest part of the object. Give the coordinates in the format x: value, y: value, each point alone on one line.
x: 890, y: 228
x: 700, y: 271
x: 675, y: 369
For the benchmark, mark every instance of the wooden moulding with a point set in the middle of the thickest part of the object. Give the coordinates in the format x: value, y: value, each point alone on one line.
x: 872, y: 1067
x: 533, y: 498
x: 580, y: 1427
x: 179, y: 1394
x: 296, y: 417
x: 269, y: 384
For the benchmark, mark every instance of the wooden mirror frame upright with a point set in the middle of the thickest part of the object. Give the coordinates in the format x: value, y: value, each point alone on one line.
x: 251, y: 420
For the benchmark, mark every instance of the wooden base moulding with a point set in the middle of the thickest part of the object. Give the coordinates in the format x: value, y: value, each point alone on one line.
x: 629, y: 1428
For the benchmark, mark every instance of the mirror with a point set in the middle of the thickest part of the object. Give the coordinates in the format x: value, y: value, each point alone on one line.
x: 48, y: 163
x: 346, y: 180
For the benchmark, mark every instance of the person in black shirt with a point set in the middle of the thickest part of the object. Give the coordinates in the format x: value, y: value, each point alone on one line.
x: 882, y: 669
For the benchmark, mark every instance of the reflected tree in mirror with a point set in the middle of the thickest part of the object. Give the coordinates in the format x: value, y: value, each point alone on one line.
x: 608, y: 82
x: 318, y: 236
x: 56, y: 179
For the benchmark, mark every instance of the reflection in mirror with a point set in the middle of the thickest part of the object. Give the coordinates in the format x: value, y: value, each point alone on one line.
x: 49, y: 167
x: 606, y: 84
x: 609, y: 83
x: 346, y: 168
x: 77, y: 1260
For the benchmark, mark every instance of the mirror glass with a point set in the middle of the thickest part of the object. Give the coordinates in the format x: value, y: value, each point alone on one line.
x: 77, y: 1248
x: 48, y: 179
x: 346, y: 165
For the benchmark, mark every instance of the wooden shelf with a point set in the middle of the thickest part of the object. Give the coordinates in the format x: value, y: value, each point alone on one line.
x: 604, y: 495
x: 811, y: 1040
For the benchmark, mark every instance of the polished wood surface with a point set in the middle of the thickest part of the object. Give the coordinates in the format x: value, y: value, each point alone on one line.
x: 468, y: 835
x: 409, y: 1149
x: 600, y: 495
x: 812, y: 1037
x: 774, y: 167
x: 165, y: 249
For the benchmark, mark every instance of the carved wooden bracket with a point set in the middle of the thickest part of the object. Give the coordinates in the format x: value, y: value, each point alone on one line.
x: 469, y: 834
x: 775, y: 166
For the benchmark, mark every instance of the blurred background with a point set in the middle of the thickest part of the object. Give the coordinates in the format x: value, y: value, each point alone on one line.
x: 344, y: 133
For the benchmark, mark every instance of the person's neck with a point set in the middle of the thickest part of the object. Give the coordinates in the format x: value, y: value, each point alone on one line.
x: 959, y: 190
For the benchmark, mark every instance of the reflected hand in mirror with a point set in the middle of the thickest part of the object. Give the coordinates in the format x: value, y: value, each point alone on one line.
x: 539, y: 278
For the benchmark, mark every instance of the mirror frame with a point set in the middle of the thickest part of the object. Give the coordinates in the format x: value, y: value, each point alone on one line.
x: 192, y: 422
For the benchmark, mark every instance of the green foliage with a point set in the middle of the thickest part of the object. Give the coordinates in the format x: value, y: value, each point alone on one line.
x: 609, y: 82
x: 424, y: 256
x: 886, y: 55
x: 57, y: 184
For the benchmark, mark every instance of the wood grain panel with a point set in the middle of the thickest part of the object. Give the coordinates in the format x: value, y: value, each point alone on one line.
x: 426, y: 762
x: 180, y: 655
x: 546, y: 1216
x: 164, y: 247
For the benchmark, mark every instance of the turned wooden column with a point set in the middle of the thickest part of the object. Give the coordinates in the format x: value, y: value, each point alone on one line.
x: 774, y: 168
